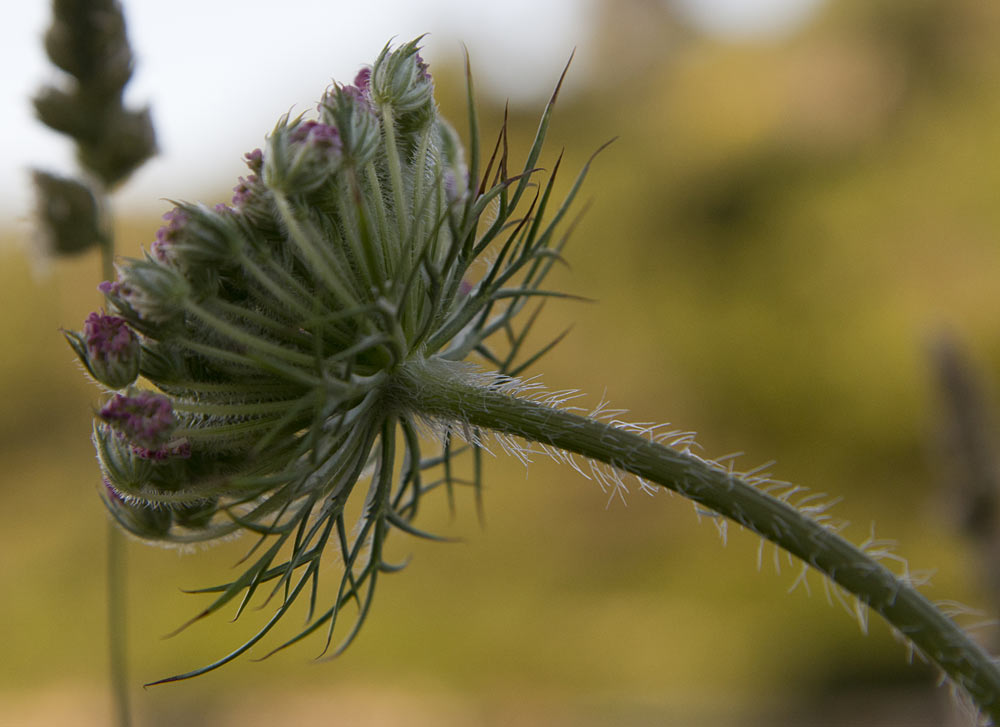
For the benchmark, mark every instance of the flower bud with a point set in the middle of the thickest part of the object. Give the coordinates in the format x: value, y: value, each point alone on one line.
x: 145, y: 419
x: 166, y: 235
x: 362, y: 81
x: 67, y: 214
x: 197, y: 240
x: 156, y: 292
x: 252, y: 200
x: 153, y: 475
x: 141, y: 519
x: 128, y: 474
x: 254, y: 160
x: 400, y: 79
x: 350, y: 111
x: 108, y: 349
x: 301, y: 156
x: 243, y: 191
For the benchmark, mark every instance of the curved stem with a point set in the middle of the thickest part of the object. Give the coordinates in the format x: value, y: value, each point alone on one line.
x: 435, y: 390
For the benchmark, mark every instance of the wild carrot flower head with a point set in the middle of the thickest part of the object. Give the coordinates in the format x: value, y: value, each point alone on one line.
x: 278, y: 331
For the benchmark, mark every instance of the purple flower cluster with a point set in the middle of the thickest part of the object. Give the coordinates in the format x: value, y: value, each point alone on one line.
x: 302, y: 156
x: 180, y: 449
x: 255, y: 160
x: 422, y: 68
x: 151, y: 290
x: 168, y: 234
x: 108, y: 337
x: 363, y: 79
x: 243, y: 192
x: 249, y: 187
x: 108, y: 348
x: 146, y: 419
x: 317, y: 134
x: 359, y: 91
x: 110, y: 287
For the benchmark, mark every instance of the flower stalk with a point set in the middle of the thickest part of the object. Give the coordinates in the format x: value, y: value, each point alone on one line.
x: 441, y: 393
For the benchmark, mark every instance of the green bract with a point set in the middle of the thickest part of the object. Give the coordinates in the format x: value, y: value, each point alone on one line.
x: 279, y: 333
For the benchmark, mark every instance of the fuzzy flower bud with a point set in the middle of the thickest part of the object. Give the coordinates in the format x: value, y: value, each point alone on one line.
x: 155, y: 476
x: 349, y: 109
x: 166, y: 235
x: 400, y: 79
x: 243, y: 191
x: 254, y: 160
x: 301, y: 156
x: 155, y: 292
x: 198, y: 240
x: 251, y: 198
x: 362, y: 81
x: 108, y: 349
x: 145, y: 419
x: 139, y: 518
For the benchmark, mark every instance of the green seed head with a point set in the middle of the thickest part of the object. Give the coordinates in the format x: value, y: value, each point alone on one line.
x: 68, y: 214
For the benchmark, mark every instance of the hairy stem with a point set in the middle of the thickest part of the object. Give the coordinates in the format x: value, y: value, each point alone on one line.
x: 437, y: 391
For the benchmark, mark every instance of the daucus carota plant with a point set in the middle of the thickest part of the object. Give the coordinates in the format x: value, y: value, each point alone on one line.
x: 313, y: 337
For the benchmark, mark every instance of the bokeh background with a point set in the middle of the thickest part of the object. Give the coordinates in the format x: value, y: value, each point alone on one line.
x: 800, y: 206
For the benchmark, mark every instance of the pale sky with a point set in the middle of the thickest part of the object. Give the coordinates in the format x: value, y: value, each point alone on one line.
x: 218, y: 73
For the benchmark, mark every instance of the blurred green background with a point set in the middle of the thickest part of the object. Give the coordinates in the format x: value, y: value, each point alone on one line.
x: 778, y: 234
